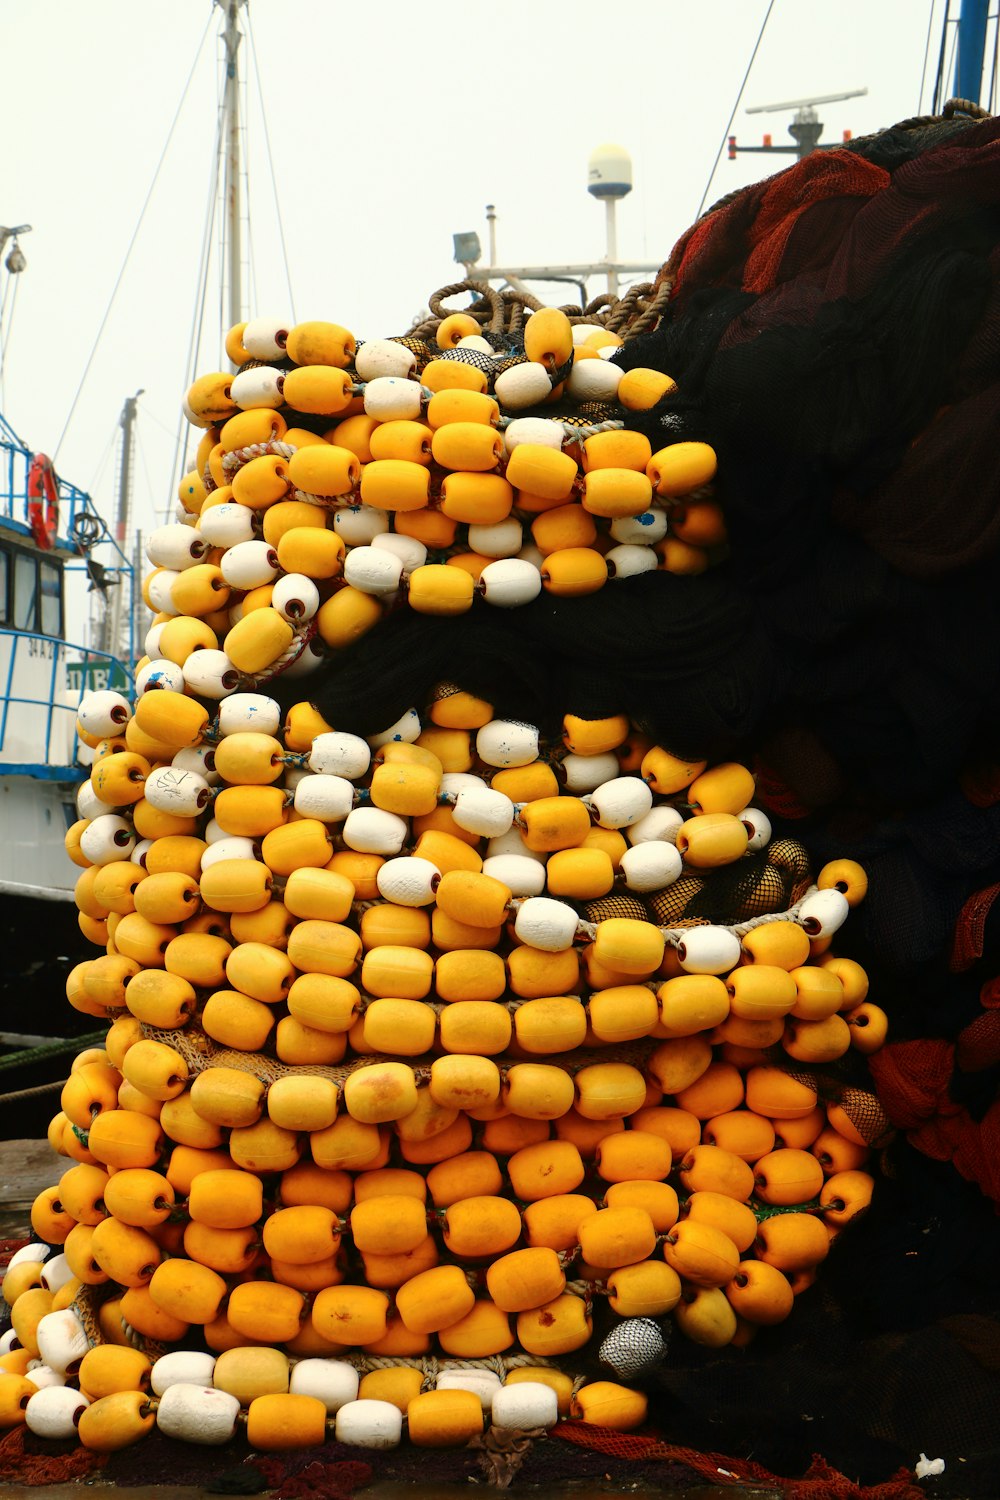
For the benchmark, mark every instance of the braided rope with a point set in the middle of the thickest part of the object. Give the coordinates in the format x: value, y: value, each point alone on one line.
x: 622, y: 311
x: 199, y: 1053
x: 596, y: 311
x: 299, y: 642
x: 571, y: 432
x: 949, y: 110
x: 490, y: 309
x: 40, y: 1088
x: 85, y: 1304
x: 649, y: 314
x: 431, y: 1366
x: 237, y: 457
x: 327, y: 502
x: 51, y: 1049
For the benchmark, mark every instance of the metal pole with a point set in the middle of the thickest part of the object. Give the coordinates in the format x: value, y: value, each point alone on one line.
x: 231, y: 107
x: 112, y: 643
x: 491, y: 224
x: 611, y: 236
x: 971, y: 49
x: 127, y: 424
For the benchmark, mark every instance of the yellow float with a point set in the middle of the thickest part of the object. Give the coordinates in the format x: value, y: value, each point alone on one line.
x: 404, y: 1040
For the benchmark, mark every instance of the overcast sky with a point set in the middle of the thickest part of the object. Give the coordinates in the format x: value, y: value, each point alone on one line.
x: 391, y: 126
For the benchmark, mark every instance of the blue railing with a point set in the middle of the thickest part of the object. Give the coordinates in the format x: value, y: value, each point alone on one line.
x: 42, y: 681
x: 81, y: 532
x: 15, y: 465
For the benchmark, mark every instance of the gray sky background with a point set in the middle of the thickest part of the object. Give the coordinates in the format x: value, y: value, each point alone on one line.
x: 391, y: 126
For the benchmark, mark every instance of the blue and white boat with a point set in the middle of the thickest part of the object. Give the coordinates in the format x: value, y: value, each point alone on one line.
x: 49, y: 530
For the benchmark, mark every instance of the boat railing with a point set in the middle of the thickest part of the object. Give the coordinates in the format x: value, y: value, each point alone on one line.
x: 42, y: 681
x: 77, y: 536
x: 16, y: 459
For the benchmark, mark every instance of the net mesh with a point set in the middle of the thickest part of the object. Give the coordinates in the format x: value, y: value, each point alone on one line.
x: 835, y: 335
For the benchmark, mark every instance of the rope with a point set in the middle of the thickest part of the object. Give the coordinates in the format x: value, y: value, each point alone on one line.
x: 953, y: 108
x: 41, y: 1088
x: 507, y: 307
x: 431, y: 1366
x: 634, y: 313
x: 50, y: 1049
x: 622, y: 311
x: 237, y: 457
x: 514, y: 305
x: 594, y: 312
x: 327, y: 502
x: 650, y: 310
x: 131, y: 245
x: 199, y: 1052
x: 965, y: 107
x: 299, y: 643
x: 489, y: 295
x: 675, y: 935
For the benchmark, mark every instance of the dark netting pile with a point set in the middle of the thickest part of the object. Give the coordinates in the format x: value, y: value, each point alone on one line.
x: 834, y: 333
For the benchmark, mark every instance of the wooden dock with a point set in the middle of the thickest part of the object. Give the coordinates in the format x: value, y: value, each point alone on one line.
x: 26, y: 1167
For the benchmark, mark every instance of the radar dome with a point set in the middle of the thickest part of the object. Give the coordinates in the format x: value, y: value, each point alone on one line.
x: 609, y: 172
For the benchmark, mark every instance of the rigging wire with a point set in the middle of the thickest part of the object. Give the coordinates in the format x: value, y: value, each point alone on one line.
x: 201, y: 299
x: 140, y: 449
x: 10, y: 279
x: 213, y: 207
x: 992, y: 96
x: 102, y: 462
x: 949, y: 71
x: 736, y: 105
x: 270, y: 162
x: 247, y: 219
x: 927, y: 53
x: 16, y: 279
x: 938, y: 99
x: 198, y: 324
x: 135, y: 235
x: 148, y: 411
x: 224, y: 235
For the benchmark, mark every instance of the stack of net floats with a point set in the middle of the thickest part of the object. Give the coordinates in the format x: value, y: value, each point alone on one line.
x: 424, y: 1101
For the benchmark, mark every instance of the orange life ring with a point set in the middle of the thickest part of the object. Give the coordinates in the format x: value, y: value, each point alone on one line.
x: 43, y: 500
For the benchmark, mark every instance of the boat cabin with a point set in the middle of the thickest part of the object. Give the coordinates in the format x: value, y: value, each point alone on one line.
x: 48, y: 528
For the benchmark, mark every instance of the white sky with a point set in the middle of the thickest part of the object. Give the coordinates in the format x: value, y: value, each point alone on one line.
x: 392, y: 124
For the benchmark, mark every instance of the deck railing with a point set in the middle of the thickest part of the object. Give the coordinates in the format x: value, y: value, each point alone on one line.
x: 42, y: 681
x: 15, y: 466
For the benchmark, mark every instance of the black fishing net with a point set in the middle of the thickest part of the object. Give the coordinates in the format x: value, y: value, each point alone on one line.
x: 834, y: 333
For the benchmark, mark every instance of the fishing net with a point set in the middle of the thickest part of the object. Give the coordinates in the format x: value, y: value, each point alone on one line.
x: 836, y: 327
x: 833, y: 332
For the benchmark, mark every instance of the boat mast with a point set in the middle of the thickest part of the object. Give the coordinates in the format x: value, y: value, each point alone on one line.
x: 116, y: 634
x: 231, y: 37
